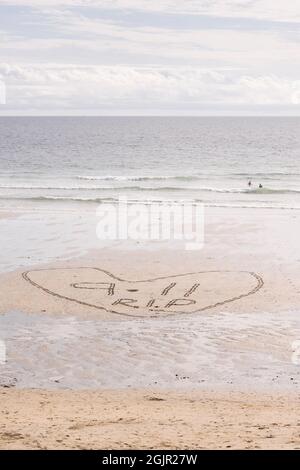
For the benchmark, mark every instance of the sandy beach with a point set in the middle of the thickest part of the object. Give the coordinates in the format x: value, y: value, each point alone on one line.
x: 149, y: 225
x: 82, y: 367
x: 148, y: 420
x: 238, y: 269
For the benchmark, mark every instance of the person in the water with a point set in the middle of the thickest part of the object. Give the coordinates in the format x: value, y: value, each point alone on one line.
x: 249, y: 183
x: 260, y: 186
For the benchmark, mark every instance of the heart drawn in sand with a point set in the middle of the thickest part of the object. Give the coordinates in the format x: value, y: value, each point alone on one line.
x: 181, y: 293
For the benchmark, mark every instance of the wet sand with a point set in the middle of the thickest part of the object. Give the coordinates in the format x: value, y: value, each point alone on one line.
x: 215, y: 352
x: 237, y: 249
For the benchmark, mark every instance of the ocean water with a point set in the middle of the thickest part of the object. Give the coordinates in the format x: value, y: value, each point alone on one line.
x: 75, y: 162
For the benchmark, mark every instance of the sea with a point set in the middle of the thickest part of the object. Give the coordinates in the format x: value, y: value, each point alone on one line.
x: 79, y: 162
x: 56, y: 172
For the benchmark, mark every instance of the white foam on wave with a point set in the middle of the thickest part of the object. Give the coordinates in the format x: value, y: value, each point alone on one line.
x: 138, y: 177
x: 156, y: 188
x: 151, y: 201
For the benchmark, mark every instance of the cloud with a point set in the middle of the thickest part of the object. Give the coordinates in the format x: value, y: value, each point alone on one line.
x: 146, y: 61
x: 276, y: 10
x: 95, y: 40
x: 71, y: 87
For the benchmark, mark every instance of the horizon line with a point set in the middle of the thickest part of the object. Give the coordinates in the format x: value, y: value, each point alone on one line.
x: 151, y: 115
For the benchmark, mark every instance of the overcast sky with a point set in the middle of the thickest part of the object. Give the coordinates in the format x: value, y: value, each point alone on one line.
x: 150, y: 56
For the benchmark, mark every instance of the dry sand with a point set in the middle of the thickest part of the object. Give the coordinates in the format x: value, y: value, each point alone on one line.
x: 147, y: 420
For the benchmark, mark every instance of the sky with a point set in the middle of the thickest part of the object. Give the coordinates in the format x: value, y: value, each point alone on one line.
x: 150, y: 57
